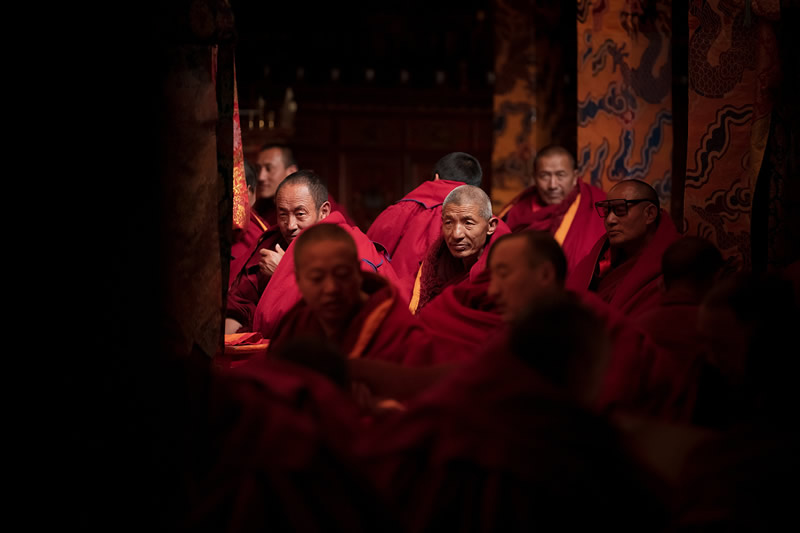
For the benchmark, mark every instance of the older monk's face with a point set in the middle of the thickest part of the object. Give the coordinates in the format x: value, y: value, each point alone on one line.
x: 465, y: 230
x: 555, y: 178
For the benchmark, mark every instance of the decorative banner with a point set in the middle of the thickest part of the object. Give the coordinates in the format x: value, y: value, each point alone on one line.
x: 241, y: 201
x: 625, y: 93
x: 514, y: 100
x: 733, y: 61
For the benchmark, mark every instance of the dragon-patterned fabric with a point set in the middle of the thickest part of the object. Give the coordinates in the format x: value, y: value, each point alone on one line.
x: 625, y: 93
x: 733, y: 62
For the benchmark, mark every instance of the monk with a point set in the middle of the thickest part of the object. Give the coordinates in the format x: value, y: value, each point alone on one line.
x: 473, y: 317
x: 690, y: 267
x: 468, y: 228
x: 409, y: 227
x: 274, y: 164
x: 244, y: 240
x: 360, y: 313
x: 302, y: 201
x: 624, y: 265
x: 284, y: 293
x: 508, y: 442
x: 558, y: 202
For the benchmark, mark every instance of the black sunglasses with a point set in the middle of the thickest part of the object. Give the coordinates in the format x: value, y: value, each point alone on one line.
x: 619, y: 207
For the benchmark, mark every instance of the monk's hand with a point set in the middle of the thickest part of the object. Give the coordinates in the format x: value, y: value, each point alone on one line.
x: 269, y: 260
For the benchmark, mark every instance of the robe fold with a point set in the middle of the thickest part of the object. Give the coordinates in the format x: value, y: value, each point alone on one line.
x: 382, y: 329
x: 440, y: 269
x: 460, y: 320
x: 283, y: 293
x: 496, y: 448
x: 672, y: 325
x: 249, y: 284
x: 574, y: 222
x: 278, y: 440
x: 408, y: 227
x: 633, y: 286
x: 243, y: 244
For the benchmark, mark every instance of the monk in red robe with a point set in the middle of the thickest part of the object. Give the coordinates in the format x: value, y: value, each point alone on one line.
x: 690, y: 266
x: 624, y: 266
x: 360, y: 313
x: 274, y: 164
x: 468, y: 228
x: 244, y: 240
x: 558, y: 202
x: 276, y: 454
x: 408, y: 228
x: 302, y: 201
x: 283, y: 292
x: 508, y: 443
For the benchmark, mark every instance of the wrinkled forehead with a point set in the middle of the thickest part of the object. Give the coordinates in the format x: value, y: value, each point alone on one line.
x: 459, y: 211
x: 292, y: 196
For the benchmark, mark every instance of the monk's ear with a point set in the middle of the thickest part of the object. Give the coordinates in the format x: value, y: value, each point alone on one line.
x: 291, y: 169
x: 324, y: 211
x: 651, y: 213
x: 436, y: 176
x: 492, y: 225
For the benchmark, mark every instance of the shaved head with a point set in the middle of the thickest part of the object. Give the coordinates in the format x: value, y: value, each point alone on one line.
x: 470, y: 195
x: 641, y: 188
x: 324, y: 232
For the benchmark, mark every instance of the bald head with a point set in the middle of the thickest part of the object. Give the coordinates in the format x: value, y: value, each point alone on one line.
x: 325, y: 233
x: 631, y: 216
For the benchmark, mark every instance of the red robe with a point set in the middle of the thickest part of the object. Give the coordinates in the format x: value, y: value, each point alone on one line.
x: 496, y: 448
x: 673, y: 327
x: 526, y: 211
x: 633, y: 286
x: 283, y: 293
x: 440, y: 269
x: 382, y: 329
x: 249, y: 284
x: 460, y: 320
x: 276, y: 455
x: 244, y: 242
x: 269, y: 213
x: 408, y: 227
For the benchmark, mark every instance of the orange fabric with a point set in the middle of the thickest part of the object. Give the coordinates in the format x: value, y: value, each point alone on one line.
x: 625, y: 95
x: 733, y: 67
x: 371, y: 324
x: 241, y: 201
x: 566, y: 223
x: 412, y: 306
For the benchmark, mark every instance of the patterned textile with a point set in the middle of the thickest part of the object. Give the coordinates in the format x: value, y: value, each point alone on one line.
x: 625, y: 93
x: 241, y: 202
x: 733, y: 63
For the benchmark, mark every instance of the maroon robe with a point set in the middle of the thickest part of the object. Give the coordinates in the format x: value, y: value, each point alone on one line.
x: 244, y: 242
x: 460, y: 320
x: 268, y: 211
x: 249, y: 283
x: 527, y: 211
x: 440, y: 269
x: 672, y: 325
x: 496, y: 448
x: 283, y: 293
x: 382, y: 329
x: 279, y: 439
x: 408, y: 227
x: 633, y: 286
